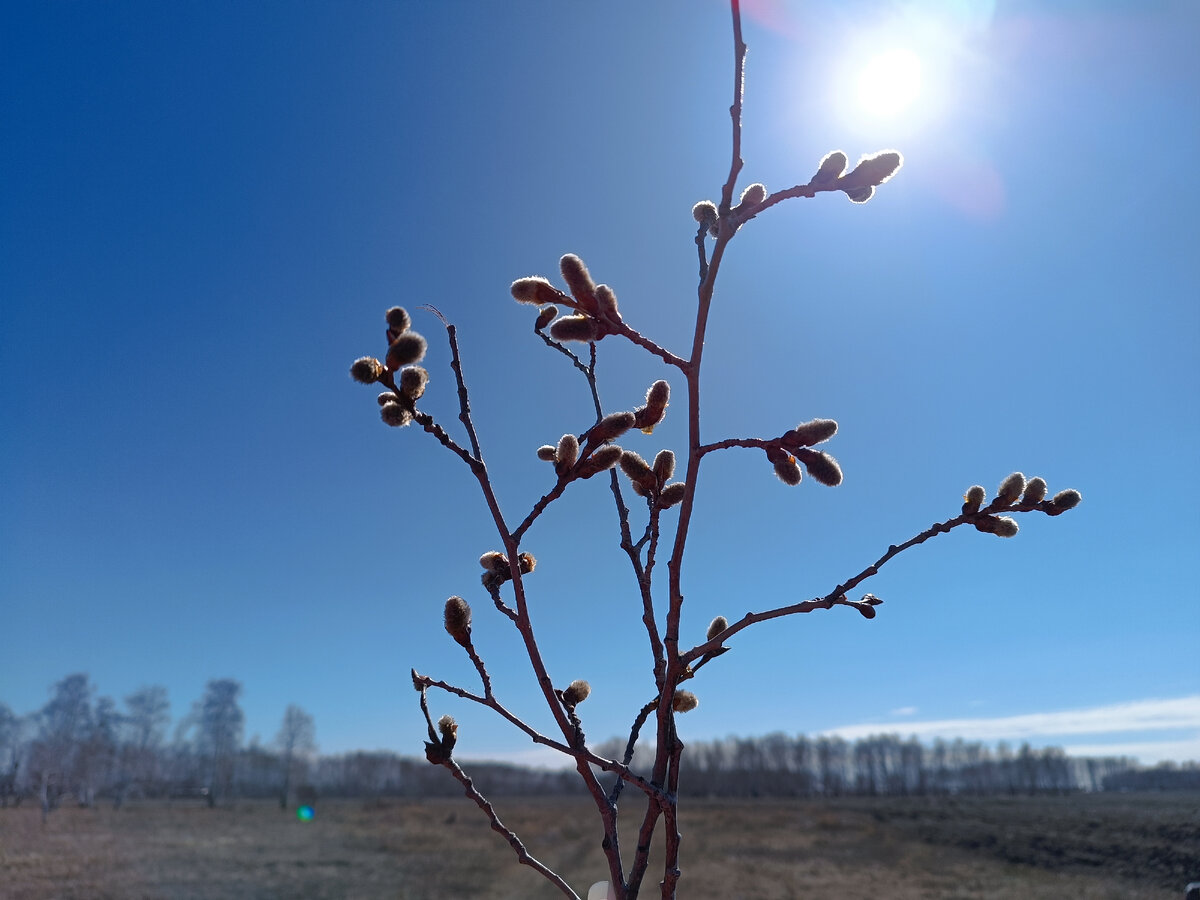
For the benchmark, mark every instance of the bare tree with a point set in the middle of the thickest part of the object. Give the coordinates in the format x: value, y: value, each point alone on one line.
x: 144, y: 725
x: 217, y: 721
x: 63, y: 727
x: 573, y: 323
x: 296, y: 741
x: 10, y: 753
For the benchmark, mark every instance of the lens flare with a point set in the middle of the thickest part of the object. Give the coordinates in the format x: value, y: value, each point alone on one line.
x: 305, y: 813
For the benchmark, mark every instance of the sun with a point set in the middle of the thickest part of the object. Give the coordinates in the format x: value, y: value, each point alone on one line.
x: 890, y: 83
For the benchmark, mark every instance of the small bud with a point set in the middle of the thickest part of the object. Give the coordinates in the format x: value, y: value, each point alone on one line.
x: 387, y: 397
x: 547, y: 452
x: 788, y: 471
x: 638, y: 471
x: 611, y: 426
x: 545, y: 317
x: 494, y: 561
x: 398, y: 320
x: 574, y: 328
x: 535, y: 290
x: 1010, y: 489
x: 449, y: 731
x: 664, y: 466
x: 716, y: 626
x: 1064, y: 500
x: 705, y: 213
x: 527, y: 562
x: 412, y: 382
x: 606, y: 302
x: 872, y: 171
x: 684, y: 701
x: 366, y: 370
x: 806, y: 434
x: 407, y: 349
x: 577, y: 691
x: 457, y: 619
x: 753, y: 195
x: 973, y: 499
x: 566, y: 454
x: 671, y: 494
x: 395, y: 414
x: 830, y: 170
x: 821, y: 466
x: 1035, y: 491
x: 579, y: 280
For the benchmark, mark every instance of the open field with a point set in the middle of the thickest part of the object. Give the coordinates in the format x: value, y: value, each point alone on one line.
x: 1129, y: 846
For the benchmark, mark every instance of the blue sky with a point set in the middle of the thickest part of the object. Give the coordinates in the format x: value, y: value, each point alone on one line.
x: 208, y: 207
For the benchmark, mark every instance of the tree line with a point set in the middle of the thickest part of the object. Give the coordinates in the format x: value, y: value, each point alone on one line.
x: 83, y: 748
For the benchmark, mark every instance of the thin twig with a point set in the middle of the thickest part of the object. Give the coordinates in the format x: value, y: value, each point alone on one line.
x: 735, y: 110
x: 665, y: 355
x: 630, y: 746
x: 837, y: 596
x: 523, y: 855
x: 620, y: 769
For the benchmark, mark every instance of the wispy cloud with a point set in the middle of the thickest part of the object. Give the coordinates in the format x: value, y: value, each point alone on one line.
x: 1142, y: 717
x: 904, y: 711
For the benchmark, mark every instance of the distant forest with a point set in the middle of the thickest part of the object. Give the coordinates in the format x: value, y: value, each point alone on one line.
x: 83, y: 749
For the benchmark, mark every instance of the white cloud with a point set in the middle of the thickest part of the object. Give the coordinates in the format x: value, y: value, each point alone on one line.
x: 1139, y: 717
x: 904, y: 711
x: 1148, y: 753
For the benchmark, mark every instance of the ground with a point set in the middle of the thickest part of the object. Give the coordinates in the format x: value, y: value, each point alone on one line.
x: 1090, y: 847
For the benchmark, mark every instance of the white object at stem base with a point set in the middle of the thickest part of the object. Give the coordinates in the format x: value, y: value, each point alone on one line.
x: 601, y: 890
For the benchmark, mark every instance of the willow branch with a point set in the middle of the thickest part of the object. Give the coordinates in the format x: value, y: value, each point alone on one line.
x: 837, y: 596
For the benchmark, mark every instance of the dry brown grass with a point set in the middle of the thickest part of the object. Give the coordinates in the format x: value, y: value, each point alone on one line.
x: 1095, y: 848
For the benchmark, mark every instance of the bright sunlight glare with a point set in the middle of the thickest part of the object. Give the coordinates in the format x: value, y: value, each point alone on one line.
x: 890, y: 83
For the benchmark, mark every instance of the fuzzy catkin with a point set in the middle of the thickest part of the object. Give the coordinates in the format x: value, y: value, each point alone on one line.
x: 664, y: 466
x: 1035, y: 491
x: 398, y: 319
x: 395, y: 414
x: 806, y: 434
x: 408, y: 348
x: 413, y: 380
x: 671, y: 495
x: 577, y: 691
x: 574, y: 328
x: 1010, y: 489
x: 567, y: 452
x: 366, y: 370
x: 821, y: 466
x: 684, y: 701
x: 579, y: 280
x: 535, y: 290
x: 830, y: 169
x: 456, y: 617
